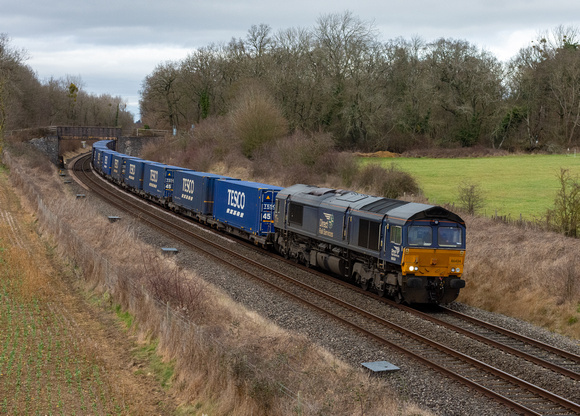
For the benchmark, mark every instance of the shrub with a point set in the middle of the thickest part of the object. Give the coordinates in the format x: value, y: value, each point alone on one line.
x: 257, y: 120
x: 470, y: 197
x: 168, y: 284
x: 565, y: 216
x: 389, y: 182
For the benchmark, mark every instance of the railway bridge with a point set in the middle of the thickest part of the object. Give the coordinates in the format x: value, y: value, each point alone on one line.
x: 56, y: 141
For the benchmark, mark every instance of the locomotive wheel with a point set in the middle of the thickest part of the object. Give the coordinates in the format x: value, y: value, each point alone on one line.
x: 358, y: 281
x: 306, y: 260
x: 399, y: 297
x: 363, y: 284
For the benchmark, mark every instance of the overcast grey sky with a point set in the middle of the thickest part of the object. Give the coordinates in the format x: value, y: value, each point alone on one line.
x: 113, y: 45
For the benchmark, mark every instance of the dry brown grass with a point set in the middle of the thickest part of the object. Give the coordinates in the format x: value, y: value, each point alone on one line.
x: 528, y: 274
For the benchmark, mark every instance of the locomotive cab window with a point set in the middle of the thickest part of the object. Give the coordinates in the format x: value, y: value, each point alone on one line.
x: 420, y: 235
x: 449, y: 237
x: 396, y: 234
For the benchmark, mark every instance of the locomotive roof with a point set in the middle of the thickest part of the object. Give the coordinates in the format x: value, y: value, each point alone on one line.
x: 396, y: 210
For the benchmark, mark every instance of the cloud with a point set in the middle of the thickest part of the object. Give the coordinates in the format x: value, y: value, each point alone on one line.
x: 113, y: 45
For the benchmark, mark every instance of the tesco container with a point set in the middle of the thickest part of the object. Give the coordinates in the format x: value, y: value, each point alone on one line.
x: 117, y: 166
x: 133, y: 174
x: 97, y: 158
x: 158, y: 179
x: 107, y: 161
x: 98, y: 148
x: 194, y: 191
x: 247, y: 206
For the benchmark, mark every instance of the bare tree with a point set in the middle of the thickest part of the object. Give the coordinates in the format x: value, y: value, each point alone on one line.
x: 565, y: 216
x: 10, y: 60
x: 545, y: 82
x: 346, y: 48
x: 258, y: 40
x: 470, y: 197
x: 467, y: 83
x: 161, y: 96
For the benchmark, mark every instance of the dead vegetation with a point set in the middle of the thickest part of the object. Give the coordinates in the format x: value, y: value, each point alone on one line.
x: 525, y: 273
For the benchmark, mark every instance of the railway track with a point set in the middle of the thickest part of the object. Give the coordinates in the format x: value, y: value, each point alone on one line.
x: 522, y: 396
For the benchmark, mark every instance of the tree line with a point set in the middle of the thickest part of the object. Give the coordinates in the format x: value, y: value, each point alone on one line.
x: 397, y: 95
x: 27, y: 102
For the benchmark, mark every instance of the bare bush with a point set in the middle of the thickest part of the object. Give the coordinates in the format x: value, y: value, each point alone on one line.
x: 389, y: 182
x: 257, y: 120
x: 565, y: 216
x: 166, y: 282
x: 455, y: 152
x: 470, y: 197
x: 304, y: 158
x: 211, y: 147
x: 32, y: 157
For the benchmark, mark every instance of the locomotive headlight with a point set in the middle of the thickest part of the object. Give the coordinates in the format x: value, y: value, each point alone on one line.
x: 453, y: 270
x: 412, y: 268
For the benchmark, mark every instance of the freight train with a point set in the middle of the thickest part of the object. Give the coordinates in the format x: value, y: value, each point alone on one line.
x: 411, y: 252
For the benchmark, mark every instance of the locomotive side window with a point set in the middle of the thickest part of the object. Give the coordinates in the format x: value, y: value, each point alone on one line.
x: 420, y: 235
x: 295, y: 214
x: 449, y: 237
x: 396, y: 234
x: 368, y: 234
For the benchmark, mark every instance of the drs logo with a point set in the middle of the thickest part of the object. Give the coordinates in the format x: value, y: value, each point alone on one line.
x: 154, y: 176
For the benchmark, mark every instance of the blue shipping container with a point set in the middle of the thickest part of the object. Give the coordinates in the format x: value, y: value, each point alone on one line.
x: 247, y: 206
x: 107, y: 161
x: 97, y: 158
x: 117, y: 166
x: 133, y: 175
x: 158, y: 179
x: 194, y: 191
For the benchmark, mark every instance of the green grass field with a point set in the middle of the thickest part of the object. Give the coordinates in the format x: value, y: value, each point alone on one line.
x: 512, y: 185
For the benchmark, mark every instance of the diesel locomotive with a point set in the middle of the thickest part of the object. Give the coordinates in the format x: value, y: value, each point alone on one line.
x: 409, y: 251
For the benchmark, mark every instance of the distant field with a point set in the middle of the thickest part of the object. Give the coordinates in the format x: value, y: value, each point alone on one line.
x: 512, y: 185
